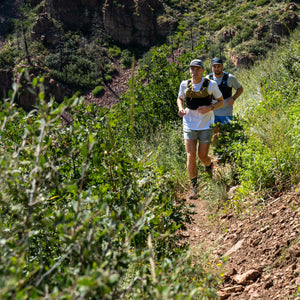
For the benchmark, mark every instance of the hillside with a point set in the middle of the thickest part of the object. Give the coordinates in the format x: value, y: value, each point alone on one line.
x: 79, y: 53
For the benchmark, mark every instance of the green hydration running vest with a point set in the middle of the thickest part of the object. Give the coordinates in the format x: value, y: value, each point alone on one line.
x: 200, y: 98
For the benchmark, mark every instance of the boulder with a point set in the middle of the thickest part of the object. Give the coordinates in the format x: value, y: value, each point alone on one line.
x: 45, y: 31
x: 241, y: 60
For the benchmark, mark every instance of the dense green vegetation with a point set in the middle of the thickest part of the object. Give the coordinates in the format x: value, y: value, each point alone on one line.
x: 241, y: 18
x: 91, y: 209
x: 270, y: 160
x: 84, y: 216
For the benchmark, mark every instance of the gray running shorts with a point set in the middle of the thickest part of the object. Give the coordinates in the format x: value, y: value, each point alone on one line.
x: 204, y: 136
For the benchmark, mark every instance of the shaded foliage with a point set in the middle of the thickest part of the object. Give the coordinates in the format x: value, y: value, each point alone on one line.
x: 81, y: 215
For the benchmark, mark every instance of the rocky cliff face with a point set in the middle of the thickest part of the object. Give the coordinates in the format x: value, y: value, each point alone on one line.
x: 76, y: 14
x: 133, y: 22
x: 126, y: 21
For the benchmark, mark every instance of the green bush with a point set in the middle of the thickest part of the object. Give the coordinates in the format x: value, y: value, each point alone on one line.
x: 77, y: 73
x: 9, y: 57
x: 82, y: 216
x: 152, y: 98
x: 126, y: 59
x: 231, y: 138
x: 98, y: 90
x: 115, y: 51
x: 108, y: 78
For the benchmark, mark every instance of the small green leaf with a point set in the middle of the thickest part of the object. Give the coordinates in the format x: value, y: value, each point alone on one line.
x: 34, y: 82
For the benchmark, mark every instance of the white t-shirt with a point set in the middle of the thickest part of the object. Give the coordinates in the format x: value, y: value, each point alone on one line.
x: 194, y: 120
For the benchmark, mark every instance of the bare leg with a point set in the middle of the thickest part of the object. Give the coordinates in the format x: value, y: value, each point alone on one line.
x: 203, y: 154
x: 191, y: 152
x: 216, y: 135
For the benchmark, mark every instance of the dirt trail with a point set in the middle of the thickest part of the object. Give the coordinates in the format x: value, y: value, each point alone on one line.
x: 263, y: 247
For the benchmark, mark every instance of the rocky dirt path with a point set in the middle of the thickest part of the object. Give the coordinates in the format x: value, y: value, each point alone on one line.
x: 263, y: 248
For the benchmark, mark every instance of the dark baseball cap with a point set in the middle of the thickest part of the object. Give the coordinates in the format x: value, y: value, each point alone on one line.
x: 197, y: 63
x: 216, y: 61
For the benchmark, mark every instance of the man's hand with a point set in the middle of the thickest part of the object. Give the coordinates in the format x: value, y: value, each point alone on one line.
x: 181, y: 112
x: 204, y: 109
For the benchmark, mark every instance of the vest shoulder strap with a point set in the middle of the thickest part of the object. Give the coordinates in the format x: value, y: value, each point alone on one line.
x: 206, y: 82
x: 225, y: 76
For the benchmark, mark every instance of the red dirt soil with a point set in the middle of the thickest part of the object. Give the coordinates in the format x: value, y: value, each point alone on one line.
x: 263, y: 247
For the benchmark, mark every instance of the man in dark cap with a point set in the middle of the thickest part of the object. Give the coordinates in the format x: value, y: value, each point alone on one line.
x: 196, y: 108
x: 226, y: 82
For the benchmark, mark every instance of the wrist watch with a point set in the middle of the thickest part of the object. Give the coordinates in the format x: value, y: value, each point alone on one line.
x: 212, y: 107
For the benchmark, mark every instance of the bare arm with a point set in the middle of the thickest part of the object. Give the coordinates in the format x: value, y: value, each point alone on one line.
x: 238, y: 92
x: 180, y: 104
x: 206, y: 109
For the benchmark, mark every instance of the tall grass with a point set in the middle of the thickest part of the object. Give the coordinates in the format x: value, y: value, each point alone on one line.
x: 165, y: 148
x: 270, y: 105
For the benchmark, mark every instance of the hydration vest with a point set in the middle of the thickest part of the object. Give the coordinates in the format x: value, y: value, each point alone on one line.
x: 223, y: 86
x: 200, y: 98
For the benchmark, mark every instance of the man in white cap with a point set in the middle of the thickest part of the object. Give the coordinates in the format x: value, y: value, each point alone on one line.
x: 196, y: 108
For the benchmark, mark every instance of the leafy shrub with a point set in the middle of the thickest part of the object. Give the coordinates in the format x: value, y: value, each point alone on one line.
x: 108, y: 78
x: 9, y: 57
x: 126, y: 59
x: 247, y: 32
x: 77, y: 73
x: 98, y: 90
x: 258, y: 48
x: 152, y: 98
x: 115, y: 51
x: 231, y: 137
x: 82, y: 216
x: 53, y: 61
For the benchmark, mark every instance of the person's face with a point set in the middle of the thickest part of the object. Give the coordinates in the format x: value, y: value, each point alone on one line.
x: 217, y: 69
x: 196, y: 72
